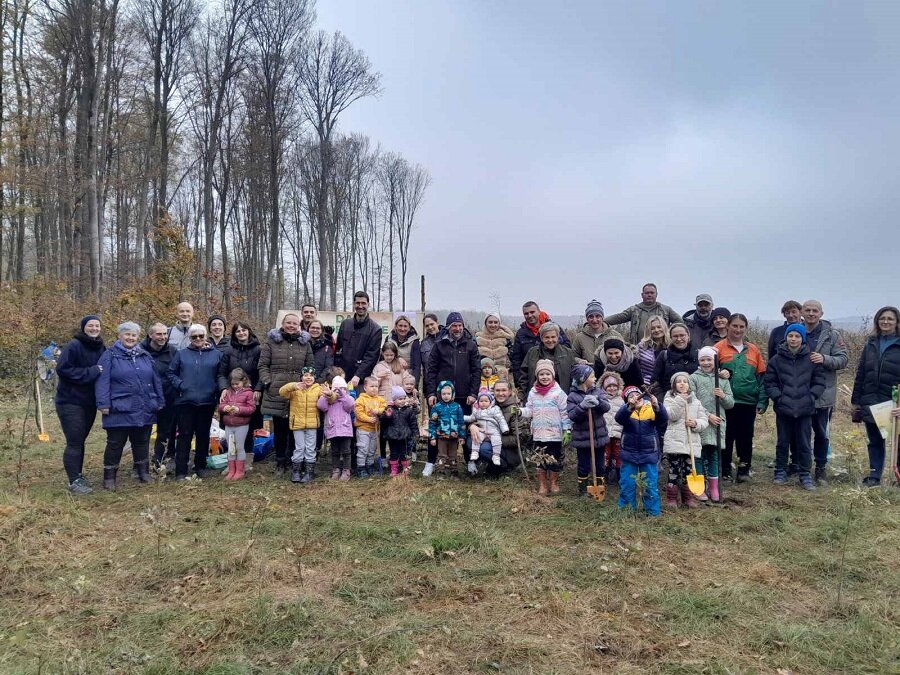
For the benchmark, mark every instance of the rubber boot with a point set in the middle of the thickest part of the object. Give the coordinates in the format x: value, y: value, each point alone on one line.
x: 230, y: 474
x: 582, y: 486
x: 109, y: 477
x: 240, y: 469
x: 295, y: 472
x: 542, y: 482
x: 143, y: 471
x: 687, y: 497
x: 310, y: 473
x: 671, y: 496
x: 395, y: 468
x: 554, y: 482
x: 345, y: 474
x: 714, y: 489
x: 404, y: 466
x: 335, y: 473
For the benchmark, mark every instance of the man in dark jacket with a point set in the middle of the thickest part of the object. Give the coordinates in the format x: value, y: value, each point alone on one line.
x: 699, y: 319
x: 455, y: 358
x: 790, y: 310
x: 156, y: 344
x: 358, y: 342
x: 528, y: 336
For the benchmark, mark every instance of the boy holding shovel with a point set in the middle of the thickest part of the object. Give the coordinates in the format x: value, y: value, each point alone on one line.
x: 585, y: 407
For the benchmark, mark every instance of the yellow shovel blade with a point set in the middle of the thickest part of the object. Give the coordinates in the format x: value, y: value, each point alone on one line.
x: 696, y: 483
x: 44, y: 437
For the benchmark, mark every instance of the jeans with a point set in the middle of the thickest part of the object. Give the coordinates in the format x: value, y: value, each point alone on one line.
x: 76, y: 422
x: 710, y: 461
x: 164, y: 446
x: 793, y: 432
x: 739, y: 436
x: 876, y: 450
x: 821, y: 426
x: 628, y: 487
x: 193, y: 421
x: 115, y: 443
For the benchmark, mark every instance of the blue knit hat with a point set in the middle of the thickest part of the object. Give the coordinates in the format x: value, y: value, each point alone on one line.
x: 798, y: 328
x: 89, y: 317
x: 580, y: 373
x: 454, y: 317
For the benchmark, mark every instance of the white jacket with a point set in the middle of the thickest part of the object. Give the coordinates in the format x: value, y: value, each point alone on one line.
x: 490, y: 420
x: 679, y: 439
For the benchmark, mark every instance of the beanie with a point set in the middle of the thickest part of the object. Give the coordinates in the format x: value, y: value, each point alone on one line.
x: 719, y: 311
x: 487, y: 362
x: 339, y: 383
x: 489, y: 315
x: 580, y: 373
x: 484, y: 393
x: 454, y: 317
x: 397, y: 392
x: 544, y: 364
x: 614, y: 343
x: 629, y: 390
x: 213, y: 317
x: 89, y: 317
x: 680, y: 373
x: 796, y: 328
x: 707, y: 351
x: 594, y: 307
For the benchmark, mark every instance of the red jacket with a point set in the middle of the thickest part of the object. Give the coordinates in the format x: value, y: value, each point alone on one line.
x: 243, y: 399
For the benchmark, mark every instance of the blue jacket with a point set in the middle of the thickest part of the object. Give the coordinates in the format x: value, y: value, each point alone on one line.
x: 641, y: 430
x: 193, y: 375
x: 581, y: 433
x: 77, y: 370
x: 129, y: 387
x: 793, y: 382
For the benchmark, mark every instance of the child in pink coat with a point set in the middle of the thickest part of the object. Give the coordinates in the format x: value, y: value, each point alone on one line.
x: 337, y: 405
x: 237, y: 406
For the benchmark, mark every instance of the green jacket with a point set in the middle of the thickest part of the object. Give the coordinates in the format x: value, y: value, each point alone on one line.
x: 585, y: 344
x: 702, y: 385
x: 637, y: 317
x: 563, y: 358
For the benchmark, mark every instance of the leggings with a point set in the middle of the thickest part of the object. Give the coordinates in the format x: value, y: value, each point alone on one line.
x: 239, y: 449
x: 398, y: 449
x: 76, y: 422
x: 710, y: 461
x: 340, y: 452
x: 553, y: 455
x: 679, y: 469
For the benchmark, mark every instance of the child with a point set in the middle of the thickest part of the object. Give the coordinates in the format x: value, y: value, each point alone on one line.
x: 490, y: 420
x: 611, y: 384
x: 445, y: 427
x: 643, y: 422
x: 687, y: 418
x: 237, y: 406
x: 793, y: 382
x: 303, y: 420
x: 390, y: 370
x: 546, y: 408
x: 489, y: 375
x: 703, y: 383
x: 337, y: 405
x: 412, y: 394
x: 400, y: 424
x: 586, y: 399
x: 369, y: 406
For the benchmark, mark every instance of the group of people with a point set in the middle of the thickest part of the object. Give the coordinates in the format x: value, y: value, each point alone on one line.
x: 635, y: 388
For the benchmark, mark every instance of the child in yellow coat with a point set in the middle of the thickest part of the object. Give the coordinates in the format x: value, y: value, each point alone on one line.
x: 368, y: 407
x: 304, y: 422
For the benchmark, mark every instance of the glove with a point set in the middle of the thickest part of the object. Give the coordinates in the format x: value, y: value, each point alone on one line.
x: 567, y: 436
x: 514, y: 409
x: 589, y: 401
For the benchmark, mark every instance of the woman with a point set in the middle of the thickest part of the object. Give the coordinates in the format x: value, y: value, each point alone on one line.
x: 746, y: 365
x: 719, y: 317
x: 494, y: 342
x: 615, y: 356
x: 562, y: 356
x: 129, y: 394
x: 656, y: 339
x: 242, y: 352
x: 390, y: 370
x: 194, y: 376
x: 323, y: 349
x: 216, y: 328
x: 76, y: 403
x: 679, y: 357
x: 433, y: 331
x: 408, y: 347
x: 877, y: 374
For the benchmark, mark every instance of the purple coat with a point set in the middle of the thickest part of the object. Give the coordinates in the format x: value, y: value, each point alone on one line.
x: 338, y: 419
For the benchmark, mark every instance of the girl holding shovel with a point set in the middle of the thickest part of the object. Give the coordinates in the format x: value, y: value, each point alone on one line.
x: 687, y: 419
x: 715, y: 395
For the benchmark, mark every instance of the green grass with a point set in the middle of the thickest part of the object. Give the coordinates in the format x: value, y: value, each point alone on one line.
x: 441, y: 576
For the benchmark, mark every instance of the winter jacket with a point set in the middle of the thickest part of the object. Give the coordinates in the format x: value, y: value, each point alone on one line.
x: 243, y: 356
x: 488, y: 382
x: 338, y: 418
x: 303, y: 412
x: 129, y: 388
x: 776, y: 337
x: 358, y: 347
x: 703, y: 385
x: 401, y: 423
x: 162, y: 359
x: 221, y: 345
x: 77, y: 370
x: 281, y: 360
x: 193, y: 374
x: 323, y: 356
x: 612, y: 427
x: 679, y: 439
x: 645, y: 355
x: 637, y: 317
x: 668, y: 362
x: 387, y: 378
x: 455, y: 361
x: 578, y: 415
x: 563, y: 360
x: 496, y: 347
x: 698, y: 327
x: 585, y: 344
x: 446, y: 419
x: 747, y: 368
x: 178, y: 336
x: 878, y: 371
x: 711, y: 339
x: 245, y: 402
x: 793, y: 382
x: 368, y: 411
x: 525, y: 339
x: 641, y: 429
x: 627, y: 367
x: 425, y: 347
x: 825, y: 340
x: 515, y: 422
x: 410, y: 351
x: 489, y: 420
x: 547, y: 413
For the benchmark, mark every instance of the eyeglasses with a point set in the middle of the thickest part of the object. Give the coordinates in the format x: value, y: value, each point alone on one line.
x: 198, y: 337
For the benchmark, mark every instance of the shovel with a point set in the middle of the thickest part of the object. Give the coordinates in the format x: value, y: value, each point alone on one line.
x: 42, y: 435
x: 895, y: 447
x: 519, y: 445
x: 695, y: 481
x: 719, y: 425
x: 597, y: 491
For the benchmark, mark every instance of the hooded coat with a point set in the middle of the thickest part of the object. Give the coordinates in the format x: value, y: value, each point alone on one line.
x: 77, y: 370
x: 703, y: 385
x: 679, y: 439
x: 793, y: 382
x: 245, y: 403
x: 446, y: 418
x: 641, y: 429
x: 162, y: 359
x: 281, y: 360
x: 323, y: 355
x: 401, y: 424
x: 304, y: 412
x: 129, y: 388
x: 496, y: 346
x: 627, y: 367
x: 578, y: 415
x: 338, y: 415
x: 547, y: 413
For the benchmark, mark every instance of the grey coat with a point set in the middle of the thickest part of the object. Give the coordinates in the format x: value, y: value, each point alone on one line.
x: 833, y: 349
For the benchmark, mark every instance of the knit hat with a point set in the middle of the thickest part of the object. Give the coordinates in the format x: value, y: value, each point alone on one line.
x: 544, y: 364
x: 594, y: 307
x: 339, y: 383
x: 308, y: 369
x: 703, y: 297
x: 707, y: 351
x: 547, y: 326
x: 484, y: 393
x: 489, y: 315
x: 397, y: 392
x: 580, y: 373
x: 487, y: 362
x: 798, y: 328
x: 213, y: 317
x: 629, y: 390
x: 680, y: 373
x: 89, y: 317
x: 719, y: 311
x: 614, y: 343
x: 454, y: 317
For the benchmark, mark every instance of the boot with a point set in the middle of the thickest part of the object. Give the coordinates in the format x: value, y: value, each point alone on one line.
x: 109, y: 477
x: 310, y: 473
x: 428, y: 470
x: 240, y: 469
x: 345, y: 475
x: 143, y: 472
x: 230, y: 474
x: 687, y: 497
x: 395, y: 468
x: 361, y: 472
x: 714, y: 490
x: 542, y: 482
x: 554, y: 482
x: 295, y: 472
x: 404, y: 467
x: 335, y: 473
x: 582, y: 486
x: 671, y: 496
x: 820, y: 476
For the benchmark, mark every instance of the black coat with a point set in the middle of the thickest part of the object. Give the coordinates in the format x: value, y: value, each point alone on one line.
x: 77, y: 370
x: 793, y: 382
x: 162, y: 359
x: 698, y: 327
x: 877, y: 373
x: 245, y: 357
x: 459, y: 362
x: 581, y: 432
x: 358, y: 347
x: 402, y: 424
x: 668, y: 362
x: 323, y: 356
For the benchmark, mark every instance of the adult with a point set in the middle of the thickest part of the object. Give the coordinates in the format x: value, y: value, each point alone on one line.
x: 184, y: 319
x: 495, y: 341
x: 129, y: 394
x: 552, y: 349
x: 194, y: 376
x: 157, y: 346
x: 243, y: 352
x: 433, y: 330
x: 827, y: 349
x: 454, y: 358
x: 595, y: 331
x: 699, y: 319
x: 747, y: 367
x: 390, y: 371
x: 358, y: 342
x: 878, y: 372
x: 528, y: 336
x: 638, y: 315
x: 519, y: 434
x: 656, y: 339
x: 282, y: 358
x: 76, y: 404
x: 617, y: 357
x: 308, y: 314
x: 791, y: 310
x: 406, y: 338
x: 323, y: 349
x: 215, y: 327
x: 719, y: 331
x: 679, y: 357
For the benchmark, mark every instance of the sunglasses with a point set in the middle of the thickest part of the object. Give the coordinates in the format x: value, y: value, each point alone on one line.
x: 198, y: 337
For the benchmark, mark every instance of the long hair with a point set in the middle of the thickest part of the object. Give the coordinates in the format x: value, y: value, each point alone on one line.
x: 648, y: 341
x: 878, y: 314
x: 240, y: 324
x: 398, y: 365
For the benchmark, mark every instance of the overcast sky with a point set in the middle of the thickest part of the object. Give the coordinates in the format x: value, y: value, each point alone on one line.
x: 577, y: 149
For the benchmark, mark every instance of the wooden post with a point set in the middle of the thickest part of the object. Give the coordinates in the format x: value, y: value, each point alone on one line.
x: 422, y: 284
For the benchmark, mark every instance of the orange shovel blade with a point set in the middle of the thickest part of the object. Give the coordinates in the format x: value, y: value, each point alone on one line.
x: 598, y: 492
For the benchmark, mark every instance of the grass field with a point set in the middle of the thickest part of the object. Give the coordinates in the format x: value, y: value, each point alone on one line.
x: 443, y: 576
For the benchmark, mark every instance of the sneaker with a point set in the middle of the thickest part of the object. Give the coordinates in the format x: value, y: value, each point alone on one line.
x: 80, y: 486
x: 428, y: 470
x: 370, y: 469
x: 743, y: 474
x: 472, y: 468
x: 780, y: 477
x: 871, y: 481
x: 495, y: 460
x: 473, y: 456
x: 806, y: 482
x: 770, y: 465
x: 821, y: 474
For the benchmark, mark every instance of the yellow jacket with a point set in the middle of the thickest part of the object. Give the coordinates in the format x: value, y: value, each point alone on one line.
x: 368, y: 408
x: 304, y: 414
x: 489, y: 382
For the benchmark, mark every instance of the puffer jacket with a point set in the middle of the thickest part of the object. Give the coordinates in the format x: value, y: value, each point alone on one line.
x: 612, y: 427
x: 338, y: 415
x: 793, y: 382
x: 162, y: 359
x: 401, y: 424
x: 304, y: 413
x: 679, y: 439
x: 455, y: 361
x: 410, y: 351
x: 578, y: 415
x: 547, y: 413
x: 877, y: 373
x: 246, y: 405
x: 368, y: 411
x: 497, y: 346
x: 641, y: 429
x: 281, y: 360
x: 77, y: 370
x: 585, y: 345
x: 489, y: 420
x: 245, y: 357
x: 323, y: 356
x: 387, y: 378
x: 563, y: 360
x: 193, y: 374
x: 668, y: 362
x: 825, y: 340
x: 703, y: 385
x: 129, y: 388
x: 446, y: 419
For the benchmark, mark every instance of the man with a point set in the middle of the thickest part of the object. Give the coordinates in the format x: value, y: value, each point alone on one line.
x: 358, y: 342
x: 455, y: 358
x: 829, y: 350
x: 638, y: 315
x: 790, y: 310
x: 156, y: 344
x: 178, y: 333
x: 307, y: 313
x: 552, y: 349
x: 527, y: 336
x: 699, y: 319
x: 593, y: 333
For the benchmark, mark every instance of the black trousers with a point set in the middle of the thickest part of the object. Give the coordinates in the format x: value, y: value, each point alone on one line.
x: 164, y: 445
x: 193, y: 421
x: 115, y: 442
x: 76, y: 422
x: 739, y: 436
x: 793, y: 432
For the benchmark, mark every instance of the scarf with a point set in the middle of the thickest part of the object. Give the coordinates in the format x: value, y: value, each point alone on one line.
x: 623, y: 364
x: 543, y: 318
x: 132, y: 353
x: 543, y: 390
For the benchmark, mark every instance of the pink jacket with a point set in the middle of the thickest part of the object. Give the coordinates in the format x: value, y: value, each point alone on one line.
x: 338, y: 419
x: 243, y: 399
x: 387, y: 378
